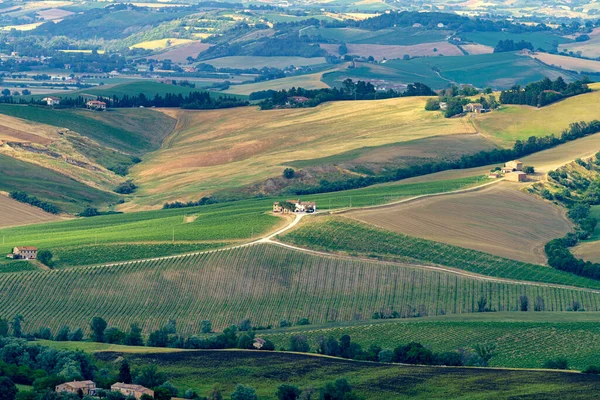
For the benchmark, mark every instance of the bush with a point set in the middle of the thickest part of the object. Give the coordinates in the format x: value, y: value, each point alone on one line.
x: 557, y: 363
x: 242, y: 392
x: 45, y: 257
x: 528, y: 169
x: 299, y: 343
x: 89, y: 212
x: 289, y: 173
x: 303, y: 321
x: 127, y: 187
x: 592, y: 369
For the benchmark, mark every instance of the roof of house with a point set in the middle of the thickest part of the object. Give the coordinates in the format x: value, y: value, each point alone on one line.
x: 21, y: 248
x: 476, y: 105
x: 299, y: 99
x: 51, y: 98
x: 96, y: 102
x: 129, y: 386
x: 515, y: 162
x: 79, y: 384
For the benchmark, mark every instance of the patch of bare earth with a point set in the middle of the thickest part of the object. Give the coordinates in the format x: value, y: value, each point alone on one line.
x: 500, y: 220
x: 181, y: 53
x: 14, y: 213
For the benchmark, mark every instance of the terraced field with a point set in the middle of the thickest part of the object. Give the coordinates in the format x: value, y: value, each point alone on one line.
x: 523, y: 340
x: 265, y: 283
x: 500, y: 220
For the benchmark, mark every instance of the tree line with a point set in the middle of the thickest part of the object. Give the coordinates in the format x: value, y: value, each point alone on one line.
x: 34, y: 201
x: 544, y: 92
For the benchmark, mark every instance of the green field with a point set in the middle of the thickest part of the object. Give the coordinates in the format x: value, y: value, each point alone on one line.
x: 247, y: 62
x: 201, y: 370
x: 132, y: 131
x: 265, y: 283
x: 595, y: 212
x: 523, y: 340
x: 45, y: 184
x: 542, y: 40
x: 339, y: 234
x: 398, y: 36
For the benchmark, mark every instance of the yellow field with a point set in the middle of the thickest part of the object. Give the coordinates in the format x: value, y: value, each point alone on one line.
x: 82, y: 51
x: 13, y: 213
x: 520, y: 122
x: 160, y: 43
x: 310, y: 81
x: 570, y: 63
x: 499, y: 220
x: 24, y: 27
x: 589, y: 251
x: 474, y: 49
x: 215, y: 149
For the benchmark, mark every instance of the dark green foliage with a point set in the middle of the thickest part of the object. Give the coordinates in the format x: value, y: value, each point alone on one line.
x: 63, y: 334
x: 544, y: 92
x: 173, y: 391
x: 8, y: 389
x: 338, y: 390
x: 114, y: 335
x: 4, y: 327
x: 158, y: 338
x: 528, y: 169
x: 161, y: 393
x: 299, y: 343
x: 245, y: 325
x: 432, y: 105
x: 303, y: 321
x: 557, y: 363
x: 89, y: 212
x: 288, y: 392
x: 34, y: 201
x: 125, y: 372
x: 206, y: 326
x: 592, y: 369
x: 126, y: 187
x: 510, y: 45
x: 455, y: 107
x: 17, y: 330
x: 150, y: 377
x: 76, y: 335
x: 242, y: 392
x: 134, y: 337
x: 98, y: 326
x: 45, y: 257
x: 288, y: 173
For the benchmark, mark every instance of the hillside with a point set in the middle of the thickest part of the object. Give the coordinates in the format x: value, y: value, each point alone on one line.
x: 265, y: 283
x: 213, y: 150
x: 13, y: 213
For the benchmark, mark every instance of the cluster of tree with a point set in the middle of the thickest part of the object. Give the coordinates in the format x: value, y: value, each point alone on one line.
x: 126, y: 187
x: 202, y: 202
x: 510, y: 45
x: 486, y: 157
x: 412, y: 353
x: 544, y: 92
x: 579, y: 193
x: 34, y: 201
x: 350, y: 90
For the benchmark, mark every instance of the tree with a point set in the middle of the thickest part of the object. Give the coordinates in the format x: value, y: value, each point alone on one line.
x: 539, y: 304
x: 16, y: 326
x: 161, y: 393
x: 216, y: 393
x: 485, y: 352
x: 528, y: 169
x: 6, y: 92
x: 8, y: 389
x: 4, y: 327
x: 288, y: 173
x: 242, y: 392
x: 63, y: 334
x: 98, y: 326
x: 338, y: 390
x: 523, y: 303
x: 26, y: 92
x: 245, y: 325
x: 557, y: 363
x: 90, y: 212
x: 206, y: 326
x: 76, y: 335
x: 146, y: 397
x: 150, y: 377
x: 124, y: 372
x: 45, y: 257
x: 134, y: 337
x: 343, y: 49
x: 288, y: 392
x: 385, y: 356
x: 299, y: 343
x: 114, y: 335
x: 481, y: 304
x: 171, y: 388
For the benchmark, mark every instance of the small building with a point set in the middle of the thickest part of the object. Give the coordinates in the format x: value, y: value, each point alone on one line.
x: 517, y: 176
x: 514, y: 165
x: 474, y: 108
x: 297, y: 206
x: 96, y: 105
x: 443, y: 105
x: 298, y: 99
x: 25, y: 253
x: 131, y: 390
x: 51, y: 101
x: 259, y: 343
x: 493, y: 175
x: 86, y: 387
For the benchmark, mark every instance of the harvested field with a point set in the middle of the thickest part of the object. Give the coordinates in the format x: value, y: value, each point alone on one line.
x: 589, y: 251
x: 380, y: 51
x: 474, y: 49
x: 161, y: 43
x: 246, y: 62
x: 210, y: 150
x: 54, y: 13
x: 13, y: 213
x: 570, y: 63
x: 310, y: 81
x: 499, y: 220
x: 590, y: 48
x: 179, y: 54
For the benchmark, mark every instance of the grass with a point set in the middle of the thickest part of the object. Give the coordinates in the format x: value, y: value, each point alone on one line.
x: 95, y: 347
x: 309, y: 81
x: 161, y: 43
x: 523, y: 340
x: 337, y: 234
x: 217, y: 149
x: 399, y: 36
x: 45, y: 184
x: 201, y: 370
x: 538, y: 39
x: 265, y: 283
x: 134, y: 131
x: 511, y: 123
x: 7, y: 265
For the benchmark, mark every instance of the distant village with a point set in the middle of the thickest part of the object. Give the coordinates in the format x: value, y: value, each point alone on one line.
x: 88, y: 388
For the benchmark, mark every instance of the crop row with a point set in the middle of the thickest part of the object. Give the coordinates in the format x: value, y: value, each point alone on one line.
x: 265, y: 283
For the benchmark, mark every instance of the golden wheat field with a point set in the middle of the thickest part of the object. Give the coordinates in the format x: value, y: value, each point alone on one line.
x: 500, y: 220
x: 210, y: 150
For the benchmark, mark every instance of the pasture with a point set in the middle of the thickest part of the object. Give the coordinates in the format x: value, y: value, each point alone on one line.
x: 212, y: 150
x: 513, y: 122
x: 265, y: 283
x: 522, y: 339
x: 247, y: 62
x: 14, y: 213
x: 500, y: 220
x: 264, y: 371
x: 338, y: 234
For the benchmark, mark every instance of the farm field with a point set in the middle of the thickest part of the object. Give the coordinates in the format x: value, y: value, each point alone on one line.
x: 475, y: 49
x: 67, y: 193
x: 129, y: 130
x: 500, y: 219
x: 264, y: 371
x: 264, y: 282
x: 13, y: 213
x: 247, y: 62
x: 389, y: 37
x: 542, y: 40
x: 520, y: 122
x: 522, y: 339
x: 211, y: 150
x: 160, y: 44
x: 181, y: 53
x: 337, y: 234
x: 381, y: 51
x: 309, y: 81
x: 590, y: 249
x: 570, y: 63
x: 589, y: 48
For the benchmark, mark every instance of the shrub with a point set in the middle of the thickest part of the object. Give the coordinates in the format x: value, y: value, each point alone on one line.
x: 557, y: 363
x: 45, y: 257
x: 592, y: 369
x: 289, y: 173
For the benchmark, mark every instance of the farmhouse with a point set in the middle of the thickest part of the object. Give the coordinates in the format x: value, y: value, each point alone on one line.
x: 87, y: 387
x: 295, y: 206
x: 299, y: 99
x: 474, y: 108
x: 517, y: 176
x: 511, y: 166
x: 131, y: 390
x: 25, y: 253
x: 51, y: 101
x: 96, y: 105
